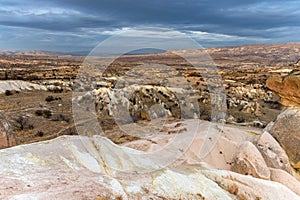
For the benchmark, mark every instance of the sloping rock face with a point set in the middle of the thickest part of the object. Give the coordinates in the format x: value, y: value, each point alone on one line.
x: 79, y: 167
x: 272, y: 152
x: 19, y: 85
x: 286, y: 179
x: 7, y: 137
x: 286, y: 130
x: 250, y: 161
x: 288, y: 88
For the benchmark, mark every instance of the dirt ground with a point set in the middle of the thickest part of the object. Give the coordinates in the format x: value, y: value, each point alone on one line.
x: 41, y: 115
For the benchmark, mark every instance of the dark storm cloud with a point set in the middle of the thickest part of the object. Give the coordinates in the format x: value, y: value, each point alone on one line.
x: 54, y: 22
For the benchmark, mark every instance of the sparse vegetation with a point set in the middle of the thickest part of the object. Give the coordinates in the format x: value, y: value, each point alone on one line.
x: 8, y: 92
x: 49, y: 98
x: 44, y: 113
x: 24, y: 123
x: 40, y: 133
x: 61, y: 117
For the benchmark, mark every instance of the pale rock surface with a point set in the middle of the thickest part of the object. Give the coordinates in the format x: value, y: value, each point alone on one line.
x: 18, y: 85
x: 273, y: 154
x: 78, y: 167
x: 249, y: 161
x: 248, y: 187
x: 286, y: 131
x: 286, y: 179
x: 224, y: 139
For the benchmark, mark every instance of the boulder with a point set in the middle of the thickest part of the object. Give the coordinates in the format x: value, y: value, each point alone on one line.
x: 286, y: 131
x: 273, y: 154
x: 249, y: 161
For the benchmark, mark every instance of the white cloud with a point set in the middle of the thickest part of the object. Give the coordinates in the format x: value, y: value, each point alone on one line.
x: 62, y: 23
x: 216, y: 37
x: 146, y: 32
x: 28, y: 10
x: 283, y: 8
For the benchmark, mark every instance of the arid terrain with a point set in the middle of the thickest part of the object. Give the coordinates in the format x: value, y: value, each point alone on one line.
x: 45, y: 113
x: 153, y: 126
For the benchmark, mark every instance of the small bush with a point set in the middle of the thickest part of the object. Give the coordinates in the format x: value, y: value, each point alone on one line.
x: 49, y: 98
x: 33, y: 77
x: 44, y: 113
x: 61, y: 117
x: 40, y: 133
x: 39, y: 112
x: 8, y: 92
x: 70, y: 131
x: 240, y: 120
x: 30, y: 126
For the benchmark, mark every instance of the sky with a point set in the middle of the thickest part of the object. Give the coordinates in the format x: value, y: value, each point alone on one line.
x: 80, y: 25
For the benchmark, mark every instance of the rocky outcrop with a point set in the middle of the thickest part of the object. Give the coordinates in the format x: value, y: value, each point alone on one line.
x: 18, y: 85
x: 274, y: 83
x: 286, y: 131
x: 288, y: 87
x: 250, y: 161
x: 76, y: 168
x: 140, y: 102
x: 273, y: 154
x: 79, y: 167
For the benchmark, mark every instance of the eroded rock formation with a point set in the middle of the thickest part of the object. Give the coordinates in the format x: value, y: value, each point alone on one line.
x: 95, y: 168
x: 285, y: 129
x: 287, y: 87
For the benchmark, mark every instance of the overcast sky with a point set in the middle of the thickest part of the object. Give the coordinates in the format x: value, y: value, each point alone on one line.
x: 79, y: 25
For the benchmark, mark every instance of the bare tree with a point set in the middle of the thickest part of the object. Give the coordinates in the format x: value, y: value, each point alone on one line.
x: 23, y: 123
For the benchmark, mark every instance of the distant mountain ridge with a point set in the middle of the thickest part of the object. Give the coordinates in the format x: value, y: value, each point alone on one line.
x: 32, y: 53
x: 263, y: 50
x: 75, y: 53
